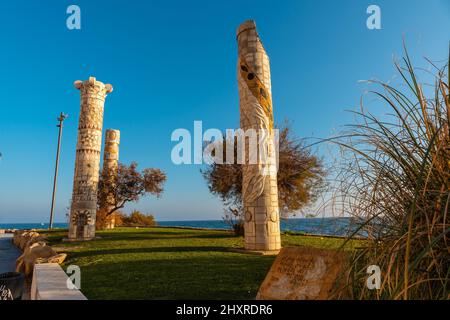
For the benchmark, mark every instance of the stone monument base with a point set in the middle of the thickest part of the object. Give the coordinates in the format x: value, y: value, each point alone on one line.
x: 307, y: 273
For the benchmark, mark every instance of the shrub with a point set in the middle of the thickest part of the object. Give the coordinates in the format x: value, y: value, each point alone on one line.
x: 300, y: 178
x: 397, y: 178
x: 138, y: 219
x: 232, y: 217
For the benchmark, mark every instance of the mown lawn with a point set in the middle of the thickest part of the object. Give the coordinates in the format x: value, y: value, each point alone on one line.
x: 170, y: 263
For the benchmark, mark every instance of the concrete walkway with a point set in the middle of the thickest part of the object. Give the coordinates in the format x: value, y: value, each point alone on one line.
x: 8, y: 253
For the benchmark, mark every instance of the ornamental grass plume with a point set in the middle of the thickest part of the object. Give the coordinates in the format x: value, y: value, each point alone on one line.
x: 396, y: 180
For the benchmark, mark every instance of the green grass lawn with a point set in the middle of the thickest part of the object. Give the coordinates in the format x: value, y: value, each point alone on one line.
x: 170, y: 263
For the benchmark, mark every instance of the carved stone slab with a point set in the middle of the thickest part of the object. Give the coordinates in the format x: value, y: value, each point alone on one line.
x: 303, y: 273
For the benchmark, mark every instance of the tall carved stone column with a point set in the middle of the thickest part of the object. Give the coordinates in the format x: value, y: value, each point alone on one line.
x: 259, y: 185
x: 110, y: 167
x: 87, y: 162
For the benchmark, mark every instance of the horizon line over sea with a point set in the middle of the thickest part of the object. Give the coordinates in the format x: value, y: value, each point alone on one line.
x: 183, y: 220
x: 340, y: 226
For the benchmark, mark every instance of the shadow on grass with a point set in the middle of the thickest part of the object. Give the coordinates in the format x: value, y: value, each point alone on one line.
x: 97, y: 252
x: 197, y: 277
x: 158, y: 237
x: 56, y: 237
x: 111, y: 236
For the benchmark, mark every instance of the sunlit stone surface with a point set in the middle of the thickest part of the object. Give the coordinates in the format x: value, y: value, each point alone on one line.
x: 110, y: 165
x: 260, y: 192
x: 87, y: 161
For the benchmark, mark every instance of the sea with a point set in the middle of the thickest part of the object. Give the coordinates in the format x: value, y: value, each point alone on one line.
x: 341, y: 226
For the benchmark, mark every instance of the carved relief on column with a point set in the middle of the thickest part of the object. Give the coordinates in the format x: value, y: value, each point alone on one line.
x: 259, y: 185
x: 87, y: 161
x: 110, y: 167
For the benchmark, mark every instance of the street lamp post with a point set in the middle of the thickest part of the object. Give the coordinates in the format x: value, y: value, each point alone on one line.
x: 61, y: 119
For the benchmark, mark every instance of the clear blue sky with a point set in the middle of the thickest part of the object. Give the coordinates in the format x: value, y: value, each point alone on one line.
x: 173, y: 62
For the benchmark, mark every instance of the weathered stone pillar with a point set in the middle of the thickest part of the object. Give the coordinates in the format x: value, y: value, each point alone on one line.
x: 110, y: 167
x: 259, y: 185
x: 87, y: 162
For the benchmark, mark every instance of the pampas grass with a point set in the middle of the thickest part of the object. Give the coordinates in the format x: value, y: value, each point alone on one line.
x: 396, y: 179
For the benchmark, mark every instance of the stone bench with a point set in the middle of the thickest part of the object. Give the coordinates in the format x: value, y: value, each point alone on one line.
x: 50, y: 283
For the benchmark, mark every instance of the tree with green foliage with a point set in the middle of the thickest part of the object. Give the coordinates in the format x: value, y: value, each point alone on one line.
x: 129, y: 185
x: 301, y: 178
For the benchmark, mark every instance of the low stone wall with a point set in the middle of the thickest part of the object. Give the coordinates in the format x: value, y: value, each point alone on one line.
x: 50, y: 282
x: 35, y: 251
x: 2, y: 231
x: 42, y: 262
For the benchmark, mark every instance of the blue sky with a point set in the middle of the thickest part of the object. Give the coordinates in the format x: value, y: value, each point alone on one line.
x: 173, y: 62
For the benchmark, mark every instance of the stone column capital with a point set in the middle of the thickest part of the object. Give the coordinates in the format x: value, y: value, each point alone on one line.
x: 93, y: 84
